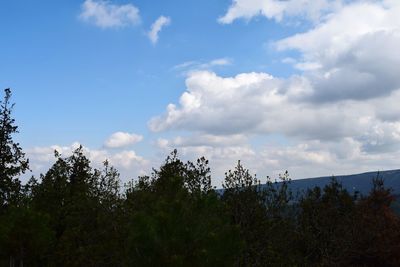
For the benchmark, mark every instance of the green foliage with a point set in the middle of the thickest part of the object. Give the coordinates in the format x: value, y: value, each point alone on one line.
x: 24, y: 237
x: 175, y: 219
x: 378, y: 233
x: 324, y: 220
x: 262, y: 215
x: 12, y: 159
x: 84, y: 205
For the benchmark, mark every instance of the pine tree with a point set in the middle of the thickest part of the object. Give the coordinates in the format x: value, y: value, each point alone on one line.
x: 12, y: 159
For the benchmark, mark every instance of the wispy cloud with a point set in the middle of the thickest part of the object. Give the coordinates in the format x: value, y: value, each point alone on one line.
x: 156, y: 27
x: 104, y: 14
x: 193, y: 65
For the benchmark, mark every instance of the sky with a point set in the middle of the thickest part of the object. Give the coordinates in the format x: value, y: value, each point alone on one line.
x: 308, y: 86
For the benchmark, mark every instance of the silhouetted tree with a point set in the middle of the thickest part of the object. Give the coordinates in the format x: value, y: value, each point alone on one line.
x: 262, y: 214
x: 83, y: 205
x: 12, y: 164
x: 175, y: 219
x: 12, y: 159
x: 326, y: 223
x: 377, y: 229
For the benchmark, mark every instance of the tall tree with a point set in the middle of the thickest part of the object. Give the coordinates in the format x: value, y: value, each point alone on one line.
x: 245, y: 205
x: 23, y: 233
x: 12, y: 159
x: 174, y: 218
x: 262, y: 214
x: 377, y: 235
x: 326, y: 223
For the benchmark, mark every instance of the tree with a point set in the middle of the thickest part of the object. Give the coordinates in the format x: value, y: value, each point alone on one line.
x: 326, y: 223
x: 174, y: 218
x: 23, y: 233
x: 262, y: 214
x: 378, y: 229
x: 12, y: 159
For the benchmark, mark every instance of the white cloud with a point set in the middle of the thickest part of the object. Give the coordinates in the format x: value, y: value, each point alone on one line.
x: 278, y: 9
x: 126, y: 159
x: 197, y: 140
x: 253, y: 103
x: 351, y: 55
x: 225, y: 113
x: 156, y: 28
x: 106, y: 15
x: 190, y: 66
x: 122, y: 139
x: 220, y: 62
x: 304, y: 159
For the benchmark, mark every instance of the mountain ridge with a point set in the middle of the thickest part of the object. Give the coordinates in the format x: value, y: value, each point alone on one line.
x: 361, y: 182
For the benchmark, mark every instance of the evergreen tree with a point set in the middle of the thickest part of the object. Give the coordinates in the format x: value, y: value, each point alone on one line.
x: 377, y: 231
x: 326, y: 223
x: 24, y: 233
x: 12, y: 159
x: 263, y: 215
x: 176, y: 219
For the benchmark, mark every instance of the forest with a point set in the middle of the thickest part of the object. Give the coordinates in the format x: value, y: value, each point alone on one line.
x: 77, y: 215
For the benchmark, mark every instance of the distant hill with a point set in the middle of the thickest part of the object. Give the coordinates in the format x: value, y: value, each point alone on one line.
x: 361, y: 182
x: 355, y: 182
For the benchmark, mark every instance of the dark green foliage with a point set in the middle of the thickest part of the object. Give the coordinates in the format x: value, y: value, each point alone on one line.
x: 175, y: 219
x: 378, y: 232
x: 263, y: 216
x: 84, y: 207
x: 324, y: 220
x: 24, y: 237
x: 12, y: 159
x: 245, y: 205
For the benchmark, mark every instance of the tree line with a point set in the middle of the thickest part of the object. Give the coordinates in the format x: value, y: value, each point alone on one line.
x: 77, y: 215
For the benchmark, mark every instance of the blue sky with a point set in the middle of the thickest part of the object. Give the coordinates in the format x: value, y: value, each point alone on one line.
x: 308, y: 86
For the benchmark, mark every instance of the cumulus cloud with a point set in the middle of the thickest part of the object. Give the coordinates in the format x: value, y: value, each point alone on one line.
x: 104, y: 14
x: 122, y: 139
x: 278, y: 9
x: 156, y: 28
x: 258, y: 103
x: 197, y: 140
x: 351, y: 55
x: 223, y: 113
x: 207, y: 103
x: 304, y: 159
